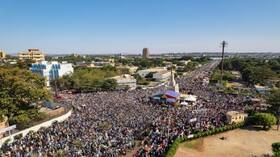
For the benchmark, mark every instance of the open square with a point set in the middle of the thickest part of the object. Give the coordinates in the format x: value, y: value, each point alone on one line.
x: 236, y: 143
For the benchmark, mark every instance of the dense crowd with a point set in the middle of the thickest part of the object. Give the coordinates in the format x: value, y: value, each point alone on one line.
x: 109, y: 124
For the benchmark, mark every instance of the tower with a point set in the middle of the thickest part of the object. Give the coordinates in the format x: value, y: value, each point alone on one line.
x: 172, y: 84
x: 145, y: 53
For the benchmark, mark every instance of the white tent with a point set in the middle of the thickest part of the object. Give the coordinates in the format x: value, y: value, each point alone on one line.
x: 189, y: 98
x: 184, y: 103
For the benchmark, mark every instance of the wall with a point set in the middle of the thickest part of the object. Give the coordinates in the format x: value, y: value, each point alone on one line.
x: 36, y: 127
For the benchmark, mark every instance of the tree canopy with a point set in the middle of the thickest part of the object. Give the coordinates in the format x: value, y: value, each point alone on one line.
x: 276, y: 149
x: 88, y: 79
x: 254, y: 70
x: 274, y: 100
x: 19, y: 89
x: 264, y: 119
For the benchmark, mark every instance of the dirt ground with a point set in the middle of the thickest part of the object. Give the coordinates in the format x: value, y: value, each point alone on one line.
x: 237, y: 143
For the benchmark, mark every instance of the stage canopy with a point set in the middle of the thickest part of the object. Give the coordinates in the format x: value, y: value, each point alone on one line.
x: 189, y: 98
x: 172, y: 94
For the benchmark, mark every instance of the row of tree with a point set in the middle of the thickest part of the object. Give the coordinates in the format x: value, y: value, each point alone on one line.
x: 88, y: 80
x: 254, y: 70
x: 216, y: 76
x: 142, y: 63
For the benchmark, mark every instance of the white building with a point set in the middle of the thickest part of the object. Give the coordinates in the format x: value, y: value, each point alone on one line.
x: 187, y: 99
x: 101, y: 64
x: 126, y: 80
x: 162, y: 75
x: 52, y: 70
x: 186, y: 62
x: 145, y: 72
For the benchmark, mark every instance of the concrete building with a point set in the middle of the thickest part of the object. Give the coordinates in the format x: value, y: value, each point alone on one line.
x: 33, y: 54
x: 185, y: 62
x: 145, y: 72
x: 188, y: 99
x: 235, y: 117
x: 145, y: 53
x: 81, y: 64
x: 101, y: 64
x: 2, y: 54
x: 52, y: 70
x: 125, y: 80
x: 162, y: 75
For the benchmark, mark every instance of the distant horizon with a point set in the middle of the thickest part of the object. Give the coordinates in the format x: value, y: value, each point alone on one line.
x: 82, y: 53
x: 109, y: 26
x: 134, y: 53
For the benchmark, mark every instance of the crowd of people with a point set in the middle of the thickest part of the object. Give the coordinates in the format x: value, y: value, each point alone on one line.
x: 111, y: 124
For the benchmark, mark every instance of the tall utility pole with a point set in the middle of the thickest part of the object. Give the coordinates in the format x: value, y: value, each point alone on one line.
x: 224, y: 44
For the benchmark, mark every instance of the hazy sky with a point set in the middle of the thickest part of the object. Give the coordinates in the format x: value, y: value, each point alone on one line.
x: 126, y: 26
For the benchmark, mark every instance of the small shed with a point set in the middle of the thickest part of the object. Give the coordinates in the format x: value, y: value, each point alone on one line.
x: 235, y: 117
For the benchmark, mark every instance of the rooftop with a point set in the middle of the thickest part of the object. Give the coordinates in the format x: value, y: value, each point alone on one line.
x: 235, y: 113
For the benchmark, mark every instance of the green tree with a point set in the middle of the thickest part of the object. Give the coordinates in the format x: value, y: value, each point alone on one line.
x: 253, y: 70
x: 276, y: 149
x: 274, y: 101
x: 88, y: 79
x: 109, y: 84
x: 19, y: 89
x: 25, y: 64
x: 190, y: 66
x: 264, y: 119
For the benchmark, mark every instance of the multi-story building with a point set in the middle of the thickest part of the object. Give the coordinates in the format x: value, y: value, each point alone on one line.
x: 145, y: 53
x: 2, y: 55
x: 52, y: 70
x: 33, y: 54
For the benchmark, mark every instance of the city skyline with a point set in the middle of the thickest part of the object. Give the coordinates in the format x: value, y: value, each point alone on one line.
x: 108, y: 27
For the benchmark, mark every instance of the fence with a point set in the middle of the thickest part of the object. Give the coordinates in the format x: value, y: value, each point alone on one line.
x: 24, y: 132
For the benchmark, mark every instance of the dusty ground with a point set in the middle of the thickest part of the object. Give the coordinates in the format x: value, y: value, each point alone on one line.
x: 238, y: 143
